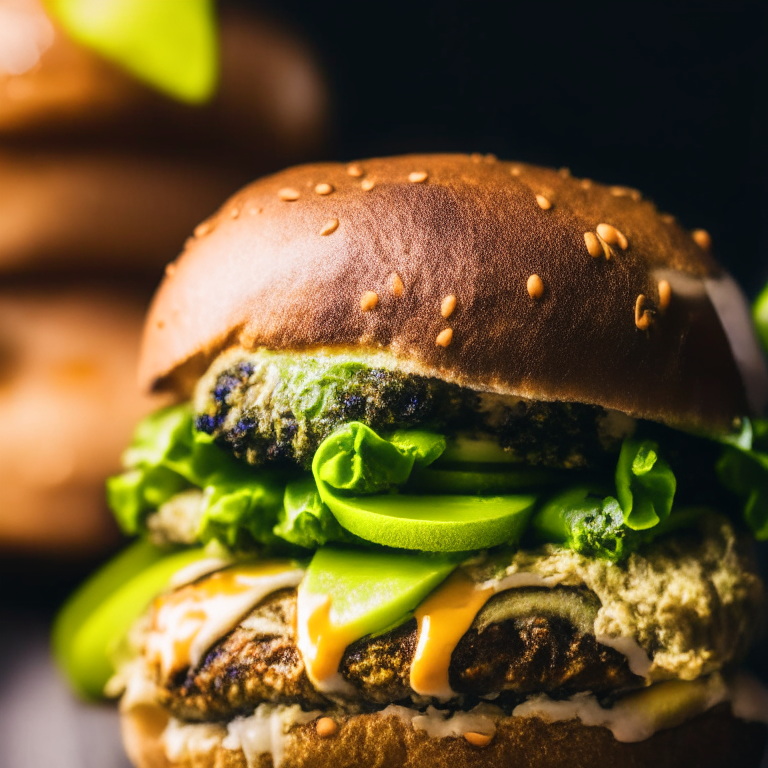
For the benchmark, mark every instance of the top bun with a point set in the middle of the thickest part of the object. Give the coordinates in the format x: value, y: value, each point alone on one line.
x: 625, y: 309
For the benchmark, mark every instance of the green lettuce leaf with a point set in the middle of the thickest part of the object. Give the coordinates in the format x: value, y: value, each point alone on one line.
x: 645, y: 485
x: 356, y: 461
x: 168, y: 455
x: 745, y: 473
x: 305, y: 520
x: 584, y: 520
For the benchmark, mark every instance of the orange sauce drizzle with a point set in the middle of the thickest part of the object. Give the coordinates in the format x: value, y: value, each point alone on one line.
x: 327, y: 644
x: 443, y: 618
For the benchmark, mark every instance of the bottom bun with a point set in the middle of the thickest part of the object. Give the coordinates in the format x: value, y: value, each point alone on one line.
x: 715, y: 739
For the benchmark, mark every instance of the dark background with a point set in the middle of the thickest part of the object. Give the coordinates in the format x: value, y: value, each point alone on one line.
x: 665, y: 97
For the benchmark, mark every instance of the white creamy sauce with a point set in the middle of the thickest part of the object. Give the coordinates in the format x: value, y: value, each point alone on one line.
x: 197, y: 570
x: 185, y: 628
x: 183, y: 741
x: 265, y: 731
x: 637, y: 659
x: 135, y: 683
x: 638, y: 716
x: 732, y: 309
x: 440, y: 724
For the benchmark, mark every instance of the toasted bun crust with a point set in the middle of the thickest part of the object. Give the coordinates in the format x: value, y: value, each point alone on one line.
x: 713, y: 740
x: 262, y: 272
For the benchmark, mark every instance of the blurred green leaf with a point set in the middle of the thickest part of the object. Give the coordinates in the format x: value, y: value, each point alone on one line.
x: 170, y: 44
x: 761, y: 317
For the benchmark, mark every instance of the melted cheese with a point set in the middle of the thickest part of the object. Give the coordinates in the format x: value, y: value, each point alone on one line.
x: 187, y: 622
x: 321, y: 642
x: 443, y: 619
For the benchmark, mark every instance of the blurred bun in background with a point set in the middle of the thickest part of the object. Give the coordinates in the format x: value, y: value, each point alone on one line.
x: 103, y: 177
x: 68, y: 404
x: 100, y: 171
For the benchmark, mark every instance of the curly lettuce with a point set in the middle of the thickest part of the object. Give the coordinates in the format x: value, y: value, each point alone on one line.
x: 168, y: 456
x: 589, y: 521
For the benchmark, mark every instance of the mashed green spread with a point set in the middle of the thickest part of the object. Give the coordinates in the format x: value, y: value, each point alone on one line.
x: 690, y: 602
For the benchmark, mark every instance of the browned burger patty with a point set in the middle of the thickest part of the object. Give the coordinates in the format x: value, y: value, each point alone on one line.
x: 259, y: 662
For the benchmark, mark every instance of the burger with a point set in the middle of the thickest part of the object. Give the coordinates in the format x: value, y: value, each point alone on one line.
x: 465, y: 469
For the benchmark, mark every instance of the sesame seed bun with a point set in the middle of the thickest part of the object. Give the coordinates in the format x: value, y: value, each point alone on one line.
x: 564, y: 289
x: 713, y: 740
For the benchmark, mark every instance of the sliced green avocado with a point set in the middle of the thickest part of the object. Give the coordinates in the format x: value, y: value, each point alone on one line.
x: 98, y: 616
x: 481, y: 480
x: 369, y: 590
x: 433, y: 523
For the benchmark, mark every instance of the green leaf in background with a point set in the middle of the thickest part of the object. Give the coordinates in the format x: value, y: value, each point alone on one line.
x: 745, y: 473
x: 645, y: 484
x: 760, y: 314
x: 170, y: 44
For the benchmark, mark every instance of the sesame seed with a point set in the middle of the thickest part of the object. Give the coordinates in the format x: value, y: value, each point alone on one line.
x: 535, y: 287
x: 444, y: 338
x: 643, y: 317
x: 585, y: 183
x: 515, y: 170
x: 478, y: 739
x: 448, y: 305
x: 170, y: 269
x: 253, y: 210
x: 476, y: 157
x: 330, y: 227
x: 323, y: 188
x: 326, y: 727
x: 368, y: 301
x: 612, y: 236
x: 667, y: 218
x: 236, y: 209
x: 665, y: 294
x: 288, y: 195
x: 397, y: 285
x: 416, y: 177
x: 354, y: 170
x: 564, y: 172
x: 594, y: 248
x: 367, y: 185
x: 490, y: 158
x: 702, y: 238
x: 544, y: 204
x: 202, y: 229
